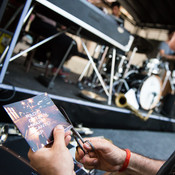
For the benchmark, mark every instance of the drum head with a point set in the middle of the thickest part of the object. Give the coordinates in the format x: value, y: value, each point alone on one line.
x: 150, y: 92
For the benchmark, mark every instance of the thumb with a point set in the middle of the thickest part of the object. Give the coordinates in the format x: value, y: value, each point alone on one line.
x: 58, y: 135
x: 87, y: 145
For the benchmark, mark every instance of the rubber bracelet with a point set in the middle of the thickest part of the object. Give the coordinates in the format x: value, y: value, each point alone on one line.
x: 126, y: 162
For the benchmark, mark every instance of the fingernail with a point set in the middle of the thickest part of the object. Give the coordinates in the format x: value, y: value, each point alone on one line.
x: 59, y: 127
x: 87, y: 145
x: 95, y: 161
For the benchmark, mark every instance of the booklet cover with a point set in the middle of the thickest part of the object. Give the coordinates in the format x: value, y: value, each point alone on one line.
x: 36, y: 118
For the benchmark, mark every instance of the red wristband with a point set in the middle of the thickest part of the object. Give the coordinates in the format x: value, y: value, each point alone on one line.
x: 126, y: 162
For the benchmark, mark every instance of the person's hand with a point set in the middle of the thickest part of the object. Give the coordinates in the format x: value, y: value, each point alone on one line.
x: 54, y: 160
x: 106, y: 156
x: 171, y: 43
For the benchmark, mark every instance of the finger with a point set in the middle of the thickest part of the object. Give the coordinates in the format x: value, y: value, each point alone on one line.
x: 58, y: 135
x: 88, y: 161
x: 79, y: 154
x: 67, y: 139
x: 92, y: 154
x: 68, y: 133
x: 89, y: 167
x: 30, y: 153
x: 98, y: 144
x: 87, y: 146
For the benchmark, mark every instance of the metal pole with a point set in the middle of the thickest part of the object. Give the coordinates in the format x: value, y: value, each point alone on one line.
x: 95, y: 69
x: 14, y: 39
x: 112, y: 76
x: 35, y: 46
x: 84, y: 71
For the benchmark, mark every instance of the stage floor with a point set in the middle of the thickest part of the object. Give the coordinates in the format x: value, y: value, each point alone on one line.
x: 67, y: 94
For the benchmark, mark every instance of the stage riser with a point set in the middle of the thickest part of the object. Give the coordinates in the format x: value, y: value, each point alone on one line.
x: 93, y: 117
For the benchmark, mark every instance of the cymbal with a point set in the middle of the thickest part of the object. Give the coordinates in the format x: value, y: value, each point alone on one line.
x: 92, y: 96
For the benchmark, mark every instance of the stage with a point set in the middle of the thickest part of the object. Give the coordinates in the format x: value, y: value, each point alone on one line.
x: 153, y: 138
x: 21, y: 85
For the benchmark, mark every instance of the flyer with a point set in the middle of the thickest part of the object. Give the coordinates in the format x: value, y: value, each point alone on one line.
x: 36, y: 118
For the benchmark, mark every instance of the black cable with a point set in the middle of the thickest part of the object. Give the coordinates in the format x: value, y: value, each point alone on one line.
x: 9, y: 98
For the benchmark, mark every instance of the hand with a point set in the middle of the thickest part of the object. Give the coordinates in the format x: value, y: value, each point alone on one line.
x: 106, y: 157
x: 55, y: 160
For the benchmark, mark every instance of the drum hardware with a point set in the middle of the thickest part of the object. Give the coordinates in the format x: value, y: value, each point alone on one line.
x: 91, y: 62
x: 131, y: 72
x: 152, y: 66
x: 124, y: 81
x: 120, y: 70
x: 121, y: 101
x: 100, y: 50
x: 120, y: 81
x: 101, y: 63
x: 127, y: 69
x: 129, y: 63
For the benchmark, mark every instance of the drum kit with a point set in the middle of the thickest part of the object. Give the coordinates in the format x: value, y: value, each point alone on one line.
x: 146, y: 81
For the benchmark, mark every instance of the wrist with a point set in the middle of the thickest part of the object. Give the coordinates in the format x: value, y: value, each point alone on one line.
x: 126, y: 161
x: 120, y: 156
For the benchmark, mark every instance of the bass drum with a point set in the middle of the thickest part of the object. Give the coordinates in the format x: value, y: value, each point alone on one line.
x: 148, y: 89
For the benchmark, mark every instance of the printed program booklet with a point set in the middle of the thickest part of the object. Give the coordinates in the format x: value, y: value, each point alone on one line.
x: 36, y: 118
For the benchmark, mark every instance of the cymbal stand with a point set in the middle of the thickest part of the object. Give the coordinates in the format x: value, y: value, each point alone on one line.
x: 104, y: 51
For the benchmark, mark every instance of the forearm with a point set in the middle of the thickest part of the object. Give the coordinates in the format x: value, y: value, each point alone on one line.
x: 169, y: 57
x: 140, y: 165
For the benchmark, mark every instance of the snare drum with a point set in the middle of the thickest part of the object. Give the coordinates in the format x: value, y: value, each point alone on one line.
x: 148, y: 89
